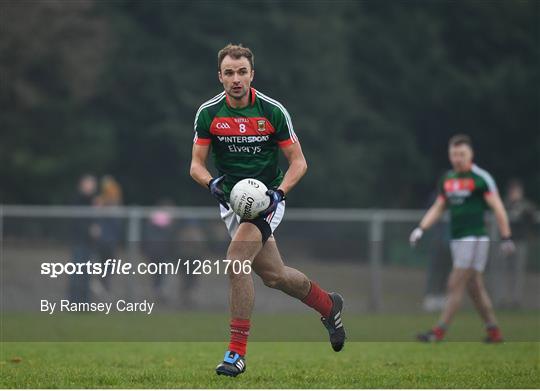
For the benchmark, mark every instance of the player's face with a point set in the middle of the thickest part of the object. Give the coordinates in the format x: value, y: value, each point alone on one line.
x: 236, y: 76
x: 460, y: 157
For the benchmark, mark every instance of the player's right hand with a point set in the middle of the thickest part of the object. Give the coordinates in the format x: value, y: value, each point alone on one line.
x: 416, y: 235
x: 215, y: 188
x: 507, y: 246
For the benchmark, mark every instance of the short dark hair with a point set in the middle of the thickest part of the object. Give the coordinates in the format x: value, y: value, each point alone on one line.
x: 236, y: 52
x: 515, y: 182
x: 460, y: 139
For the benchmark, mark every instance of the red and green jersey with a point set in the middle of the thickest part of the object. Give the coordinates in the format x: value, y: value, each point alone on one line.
x: 245, y: 142
x: 464, y: 195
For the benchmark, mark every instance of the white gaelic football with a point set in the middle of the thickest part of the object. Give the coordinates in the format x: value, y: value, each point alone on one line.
x: 248, y: 198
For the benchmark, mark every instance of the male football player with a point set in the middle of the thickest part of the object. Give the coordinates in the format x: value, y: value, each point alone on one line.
x: 467, y: 191
x: 245, y: 129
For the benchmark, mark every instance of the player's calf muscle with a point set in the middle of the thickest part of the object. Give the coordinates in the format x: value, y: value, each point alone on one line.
x: 273, y: 280
x: 286, y: 279
x: 298, y: 283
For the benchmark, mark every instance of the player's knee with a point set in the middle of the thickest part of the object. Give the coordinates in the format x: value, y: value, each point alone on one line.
x: 473, y: 285
x: 238, y: 276
x: 472, y: 288
x: 273, y: 280
x: 454, y: 284
x: 451, y: 283
x: 240, y: 249
x: 479, y: 282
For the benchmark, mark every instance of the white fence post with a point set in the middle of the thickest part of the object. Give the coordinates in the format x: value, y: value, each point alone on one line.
x: 376, y: 233
x: 133, y: 240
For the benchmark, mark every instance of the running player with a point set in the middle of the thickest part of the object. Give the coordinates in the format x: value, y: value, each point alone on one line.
x: 467, y: 191
x: 245, y: 130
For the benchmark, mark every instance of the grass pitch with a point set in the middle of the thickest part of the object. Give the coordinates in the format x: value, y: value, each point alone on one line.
x: 281, y: 364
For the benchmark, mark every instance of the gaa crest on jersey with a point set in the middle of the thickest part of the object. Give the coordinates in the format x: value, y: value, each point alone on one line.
x: 261, y: 125
x: 457, y: 189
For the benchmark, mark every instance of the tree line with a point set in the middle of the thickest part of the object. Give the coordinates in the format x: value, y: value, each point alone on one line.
x: 374, y: 88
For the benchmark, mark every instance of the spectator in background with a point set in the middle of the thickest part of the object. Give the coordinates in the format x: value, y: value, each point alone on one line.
x: 194, y: 245
x: 521, y: 212
x: 166, y: 240
x: 84, y: 234
x: 158, y: 243
x: 110, y: 229
x: 111, y: 191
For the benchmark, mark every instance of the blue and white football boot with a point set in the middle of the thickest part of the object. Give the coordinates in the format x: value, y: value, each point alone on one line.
x: 233, y: 364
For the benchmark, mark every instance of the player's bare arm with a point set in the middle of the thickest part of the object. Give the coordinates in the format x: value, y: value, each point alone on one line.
x: 433, y: 215
x: 495, y: 203
x: 198, y: 170
x: 297, y: 166
x: 201, y: 175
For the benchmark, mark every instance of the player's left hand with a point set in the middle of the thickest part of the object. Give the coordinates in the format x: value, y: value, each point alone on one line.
x: 507, y: 246
x: 276, y: 196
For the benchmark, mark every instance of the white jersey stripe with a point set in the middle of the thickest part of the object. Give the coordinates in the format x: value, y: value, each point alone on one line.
x: 492, y: 187
x: 206, y: 104
x: 211, y: 101
x: 288, y: 120
x: 285, y: 113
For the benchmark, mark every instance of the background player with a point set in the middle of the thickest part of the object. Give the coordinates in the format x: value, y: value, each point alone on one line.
x: 467, y: 191
x: 245, y: 130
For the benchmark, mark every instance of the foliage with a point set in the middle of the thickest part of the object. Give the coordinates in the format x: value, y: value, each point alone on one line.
x: 375, y: 89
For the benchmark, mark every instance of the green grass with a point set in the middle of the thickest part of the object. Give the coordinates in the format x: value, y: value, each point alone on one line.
x: 211, y: 327
x: 271, y: 365
x: 283, y: 364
